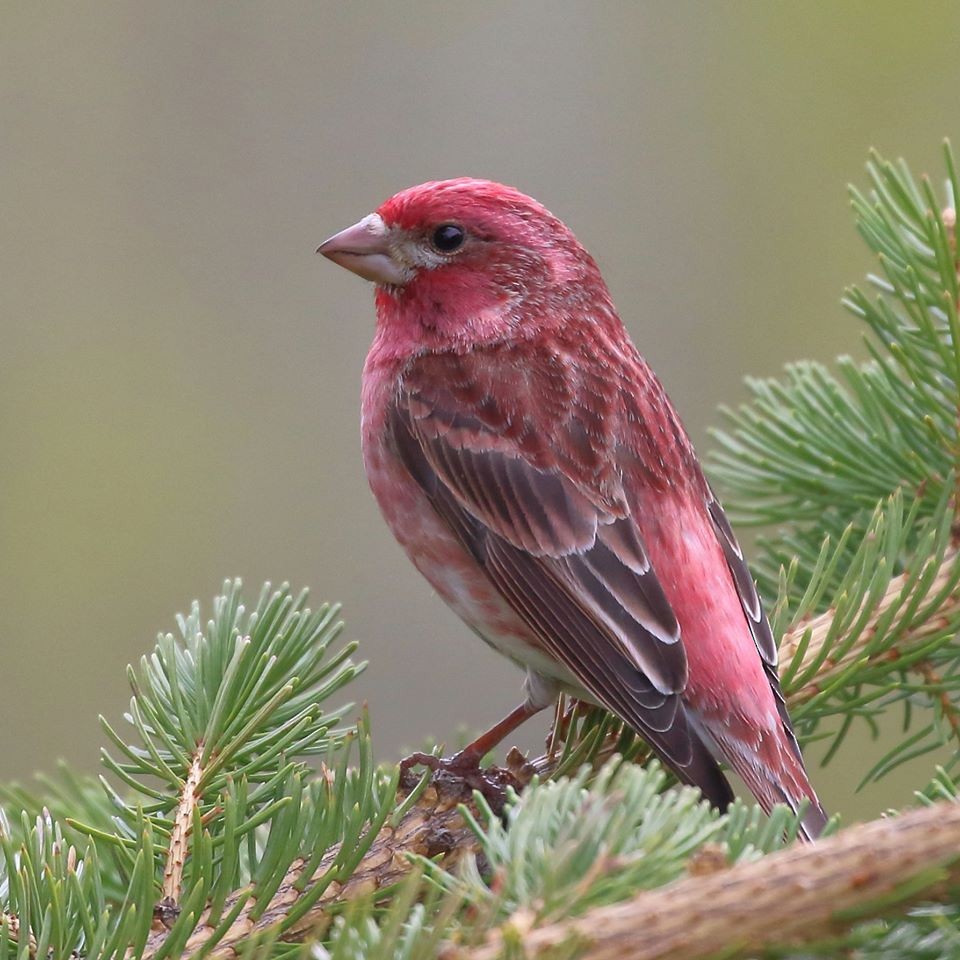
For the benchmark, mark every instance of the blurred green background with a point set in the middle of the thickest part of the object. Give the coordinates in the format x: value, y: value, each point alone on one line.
x: 179, y: 374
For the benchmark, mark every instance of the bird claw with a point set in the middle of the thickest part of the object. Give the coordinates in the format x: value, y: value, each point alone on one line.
x: 463, y: 771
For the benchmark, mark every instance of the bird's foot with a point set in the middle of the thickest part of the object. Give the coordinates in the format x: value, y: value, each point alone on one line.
x: 463, y: 771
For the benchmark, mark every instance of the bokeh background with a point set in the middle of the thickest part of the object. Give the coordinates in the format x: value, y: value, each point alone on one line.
x: 179, y: 374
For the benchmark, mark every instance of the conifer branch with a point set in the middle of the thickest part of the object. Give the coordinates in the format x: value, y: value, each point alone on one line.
x: 432, y: 827
x: 794, y: 896
x: 814, y: 636
x: 934, y: 682
x: 855, y: 869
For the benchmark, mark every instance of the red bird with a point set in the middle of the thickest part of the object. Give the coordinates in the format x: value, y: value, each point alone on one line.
x: 530, y: 463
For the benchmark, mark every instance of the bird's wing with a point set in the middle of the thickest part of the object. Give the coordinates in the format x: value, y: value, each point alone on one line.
x: 753, y: 610
x: 564, y: 552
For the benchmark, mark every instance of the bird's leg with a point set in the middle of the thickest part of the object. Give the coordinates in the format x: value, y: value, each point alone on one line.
x: 465, y: 765
x: 473, y: 753
x: 468, y: 759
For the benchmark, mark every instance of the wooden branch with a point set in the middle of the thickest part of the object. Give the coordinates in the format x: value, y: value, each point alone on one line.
x: 799, y: 895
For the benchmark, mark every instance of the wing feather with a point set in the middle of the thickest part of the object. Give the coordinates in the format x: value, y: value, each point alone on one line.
x: 546, y: 515
x: 753, y: 611
x: 571, y: 564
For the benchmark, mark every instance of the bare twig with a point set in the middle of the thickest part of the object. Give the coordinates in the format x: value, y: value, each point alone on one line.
x: 167, y: 910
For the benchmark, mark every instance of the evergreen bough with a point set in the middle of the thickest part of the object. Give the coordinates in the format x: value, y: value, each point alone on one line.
x: 241, y: 815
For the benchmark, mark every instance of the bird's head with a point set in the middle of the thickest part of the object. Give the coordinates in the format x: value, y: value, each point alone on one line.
x: 467, y: 261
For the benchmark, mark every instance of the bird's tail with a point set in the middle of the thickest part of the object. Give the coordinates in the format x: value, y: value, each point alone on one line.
x: 775, y: 774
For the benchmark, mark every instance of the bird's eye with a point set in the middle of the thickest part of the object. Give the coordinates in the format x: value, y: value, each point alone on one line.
x: 448, y: 237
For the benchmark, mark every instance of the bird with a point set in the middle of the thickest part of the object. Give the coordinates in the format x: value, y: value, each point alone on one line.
x: 530, y: 463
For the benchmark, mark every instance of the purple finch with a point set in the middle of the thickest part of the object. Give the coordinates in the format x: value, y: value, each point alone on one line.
x: 530, y: 463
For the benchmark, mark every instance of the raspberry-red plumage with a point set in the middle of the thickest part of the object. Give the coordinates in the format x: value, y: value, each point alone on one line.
x: 534, y: 469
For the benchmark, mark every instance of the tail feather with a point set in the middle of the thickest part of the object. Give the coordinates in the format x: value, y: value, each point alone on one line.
x: 813, y: 821
x: 775, y: 774
x: 700, y: 767
x: 704, y: 772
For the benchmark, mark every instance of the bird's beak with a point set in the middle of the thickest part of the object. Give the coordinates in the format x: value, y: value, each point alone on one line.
x: 365, y: 250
